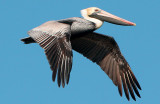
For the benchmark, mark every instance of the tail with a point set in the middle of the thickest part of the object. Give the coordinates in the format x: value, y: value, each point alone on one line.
x: 28, y: 40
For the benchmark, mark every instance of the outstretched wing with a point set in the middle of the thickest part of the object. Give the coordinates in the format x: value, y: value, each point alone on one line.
x: 105, y: 52
x: 54, y: 38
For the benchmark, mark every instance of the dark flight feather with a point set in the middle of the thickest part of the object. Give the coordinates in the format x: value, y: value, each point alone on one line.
x: 105, y: 52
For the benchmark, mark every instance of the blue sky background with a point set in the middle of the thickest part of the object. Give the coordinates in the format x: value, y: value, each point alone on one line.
x: 25, y: 76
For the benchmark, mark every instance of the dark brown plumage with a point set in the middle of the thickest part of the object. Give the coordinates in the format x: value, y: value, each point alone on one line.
x: 101, y: 49
x: 105, y: 52
x: 58, y: 38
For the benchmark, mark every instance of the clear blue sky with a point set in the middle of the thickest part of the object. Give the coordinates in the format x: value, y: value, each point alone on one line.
x: 25, y: 76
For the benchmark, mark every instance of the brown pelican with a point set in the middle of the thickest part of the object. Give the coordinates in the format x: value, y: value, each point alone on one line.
x: 58, y: 38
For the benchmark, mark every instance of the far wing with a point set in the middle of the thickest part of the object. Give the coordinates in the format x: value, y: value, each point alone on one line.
x: 54, y: 38
x: 105, y: 52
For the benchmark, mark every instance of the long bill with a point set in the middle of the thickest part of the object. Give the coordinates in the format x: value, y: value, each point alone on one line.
x: 105, y: 16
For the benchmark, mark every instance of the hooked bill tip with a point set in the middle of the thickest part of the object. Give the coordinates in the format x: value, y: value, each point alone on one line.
x: 134, y: 24
x: 131, y: 24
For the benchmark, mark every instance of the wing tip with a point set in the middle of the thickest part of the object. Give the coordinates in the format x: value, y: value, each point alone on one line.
x: 120, y: 91
x: 139, y: 87
x: 139, y: 95
x: 134, y: 98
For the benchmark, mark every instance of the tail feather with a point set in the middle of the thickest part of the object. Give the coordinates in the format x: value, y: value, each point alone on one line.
x: 28, y: 40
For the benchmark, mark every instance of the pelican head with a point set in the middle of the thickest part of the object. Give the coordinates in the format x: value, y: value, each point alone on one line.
x: 98, y: 16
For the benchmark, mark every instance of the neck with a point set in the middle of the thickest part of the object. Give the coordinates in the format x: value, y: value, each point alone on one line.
x: 98, y: 22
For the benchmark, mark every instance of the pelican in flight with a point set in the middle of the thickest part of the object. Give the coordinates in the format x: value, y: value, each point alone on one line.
x: 58, y: 38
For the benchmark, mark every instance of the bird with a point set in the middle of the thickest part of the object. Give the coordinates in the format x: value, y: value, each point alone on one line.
x: 59, y: 37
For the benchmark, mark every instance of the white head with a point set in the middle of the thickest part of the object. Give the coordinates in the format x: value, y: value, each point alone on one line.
x: 86, y: 12
x: 98, y: 16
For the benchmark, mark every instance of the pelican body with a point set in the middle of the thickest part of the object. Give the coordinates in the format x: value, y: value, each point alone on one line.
x: 58, y: 38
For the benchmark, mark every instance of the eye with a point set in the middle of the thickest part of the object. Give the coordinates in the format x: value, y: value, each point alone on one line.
x: 96, y: 10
